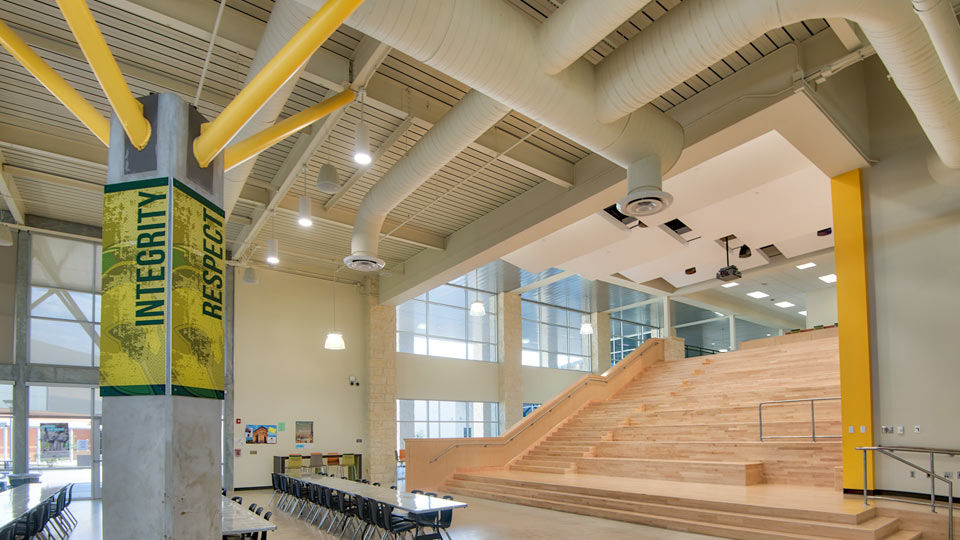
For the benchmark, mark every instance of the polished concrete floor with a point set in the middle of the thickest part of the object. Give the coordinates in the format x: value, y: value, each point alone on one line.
x: 482, y: 520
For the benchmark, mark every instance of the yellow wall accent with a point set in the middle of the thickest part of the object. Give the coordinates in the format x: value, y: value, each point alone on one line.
x: 853, y: 313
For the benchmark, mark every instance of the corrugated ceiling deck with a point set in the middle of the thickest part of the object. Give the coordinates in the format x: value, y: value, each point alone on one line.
x: 540, y: 10
x: 60, y: 166
x: 68, y: 203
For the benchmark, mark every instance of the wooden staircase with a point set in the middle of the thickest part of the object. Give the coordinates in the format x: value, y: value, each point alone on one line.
x: 695, y: 421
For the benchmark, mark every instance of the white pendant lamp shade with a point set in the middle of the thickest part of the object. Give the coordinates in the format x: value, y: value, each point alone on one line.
x: 273, y: 251
x: 586, y: 328
x: 328, y: 180
x: 361, y: 144
x: 477, y: 309
x: 250, y: 276
x: 334, y: 342
x: 304, y: 218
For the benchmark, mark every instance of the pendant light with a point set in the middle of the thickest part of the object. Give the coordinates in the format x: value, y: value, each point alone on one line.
x: 476, y: 308
x: 328, y: 181
x: 304, y: 218
x: 586, y: 327
x: 334, y: 340
x: 273, y: 247
x: 361, y: 140
x: 250, y: 276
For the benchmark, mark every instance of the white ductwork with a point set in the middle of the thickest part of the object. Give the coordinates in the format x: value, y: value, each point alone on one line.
x: 463, y: 124
x: 941, y: 23
x: 577, y: 26
x: 698, y: 33
x: 493, y: 48
x: 286, y: 19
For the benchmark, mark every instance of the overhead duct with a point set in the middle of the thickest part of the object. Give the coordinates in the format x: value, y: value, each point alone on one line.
x: 286, y: 19
x: 493, y: 48
x: 698, y: 33
x: 577, y: 26
x: 941, y: 23
x: 645, y: 195
x: 460, y: 126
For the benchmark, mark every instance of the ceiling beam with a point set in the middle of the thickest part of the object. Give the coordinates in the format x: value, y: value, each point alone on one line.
x: 11, y: 196
x: 846, y: 33
x: 58, y: 145
x: 361, y: 171
x: 53, y: 179
x: 543, y: 282
x: 368, y: 57
x: 526, y: 218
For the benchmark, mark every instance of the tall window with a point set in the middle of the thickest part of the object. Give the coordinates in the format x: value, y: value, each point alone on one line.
x: 551, y: 337
x: 632, y: 326
x: 64, y: 302
x: 439, y: 323
x: 423, y: 419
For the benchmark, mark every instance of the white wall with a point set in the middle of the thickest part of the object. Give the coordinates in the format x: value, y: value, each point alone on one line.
x: 913, y: 245
x: 540, y: 385
x: 283, y: 374
x: 428, y: 377
x: 821, y: 307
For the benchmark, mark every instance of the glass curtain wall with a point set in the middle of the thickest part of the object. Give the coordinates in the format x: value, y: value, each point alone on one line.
x: 422, y: 419
x: 439, y: 324
x: 747, y: 330
x: 551, y: 337
x: 64, y: 302
x: 631, y: 327
x: 60, y: 441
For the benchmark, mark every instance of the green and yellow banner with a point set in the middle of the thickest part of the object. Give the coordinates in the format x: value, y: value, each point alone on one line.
x: 163, y: 275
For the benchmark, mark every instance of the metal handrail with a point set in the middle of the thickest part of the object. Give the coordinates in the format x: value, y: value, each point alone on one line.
x: 813, y: 421
x: 888, y: 451
x: 533, y: 420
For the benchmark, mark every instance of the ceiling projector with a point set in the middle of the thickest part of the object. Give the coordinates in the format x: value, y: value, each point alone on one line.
x: 729, y: 273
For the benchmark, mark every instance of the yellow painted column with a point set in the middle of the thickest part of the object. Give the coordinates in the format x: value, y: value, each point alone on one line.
x: 853, y: 313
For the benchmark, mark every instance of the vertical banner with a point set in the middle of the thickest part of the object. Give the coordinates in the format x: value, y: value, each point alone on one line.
x: 162, y: 243
x: 198, y: 287
x: 135, y: 244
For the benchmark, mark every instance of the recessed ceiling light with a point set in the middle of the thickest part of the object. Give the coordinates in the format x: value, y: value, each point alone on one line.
x: 829, y: 278
x: 731, y: 284
x: 804, y: 266
x: 784, y: 304
x: 804, y: 313
x: 723, y: 350
x: 757, y: 294
x: 719, y: 314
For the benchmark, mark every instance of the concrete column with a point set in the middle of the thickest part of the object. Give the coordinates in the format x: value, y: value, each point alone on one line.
x: 379, y: 463
x: 228, y: 386
x: 510, y: 350
x: 21, y: 351
x: 666, y: 330
x: 600, y: 341
x: 733, y: 333
x: 162, y: 338
x: 673, y: 349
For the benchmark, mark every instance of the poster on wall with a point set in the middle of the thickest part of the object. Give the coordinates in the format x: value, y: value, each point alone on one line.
x: 259, y: 434
x: 54, y: 441
x: 304, y: 432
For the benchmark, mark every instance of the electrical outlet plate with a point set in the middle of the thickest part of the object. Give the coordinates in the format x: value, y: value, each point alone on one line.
x: 916, y: 429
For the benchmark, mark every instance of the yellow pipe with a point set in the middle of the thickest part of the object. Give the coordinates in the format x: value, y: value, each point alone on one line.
x: 253, y: 145
x: 281, y: 67
x: 61, y: 89
x: 128, y: 109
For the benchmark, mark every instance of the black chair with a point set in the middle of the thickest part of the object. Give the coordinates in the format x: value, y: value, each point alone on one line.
x: 393, y: 525
x: 238, y: 499
x: 33, y: 523
x: 252, y: 507
x: 259, y: 510
x: 66, y: 507
x: 446, y: 518
x: 263, y: 534
x: 376, y: 484
x: 7, y: 533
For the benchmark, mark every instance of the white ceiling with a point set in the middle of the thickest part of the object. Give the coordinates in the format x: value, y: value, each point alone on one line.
x: 763, y: 192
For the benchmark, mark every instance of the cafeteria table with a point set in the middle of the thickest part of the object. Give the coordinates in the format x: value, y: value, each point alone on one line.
x: 238, y: 520
x: 18, y: 501
x: 411, y: 503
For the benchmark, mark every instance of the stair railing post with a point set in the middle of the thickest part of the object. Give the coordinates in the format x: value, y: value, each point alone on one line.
x: 866, y: 501
x: 813, y: 423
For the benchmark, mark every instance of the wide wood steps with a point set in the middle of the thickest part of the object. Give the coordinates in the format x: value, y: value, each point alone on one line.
x: 742, y: 473
x: 728, y: 520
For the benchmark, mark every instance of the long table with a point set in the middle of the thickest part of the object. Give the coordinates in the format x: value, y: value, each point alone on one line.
x: 411, y: 503
x: 17, y: 502
x: 236, y: 519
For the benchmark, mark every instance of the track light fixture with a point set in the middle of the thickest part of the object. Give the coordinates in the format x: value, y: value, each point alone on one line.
x: 745, y: 251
